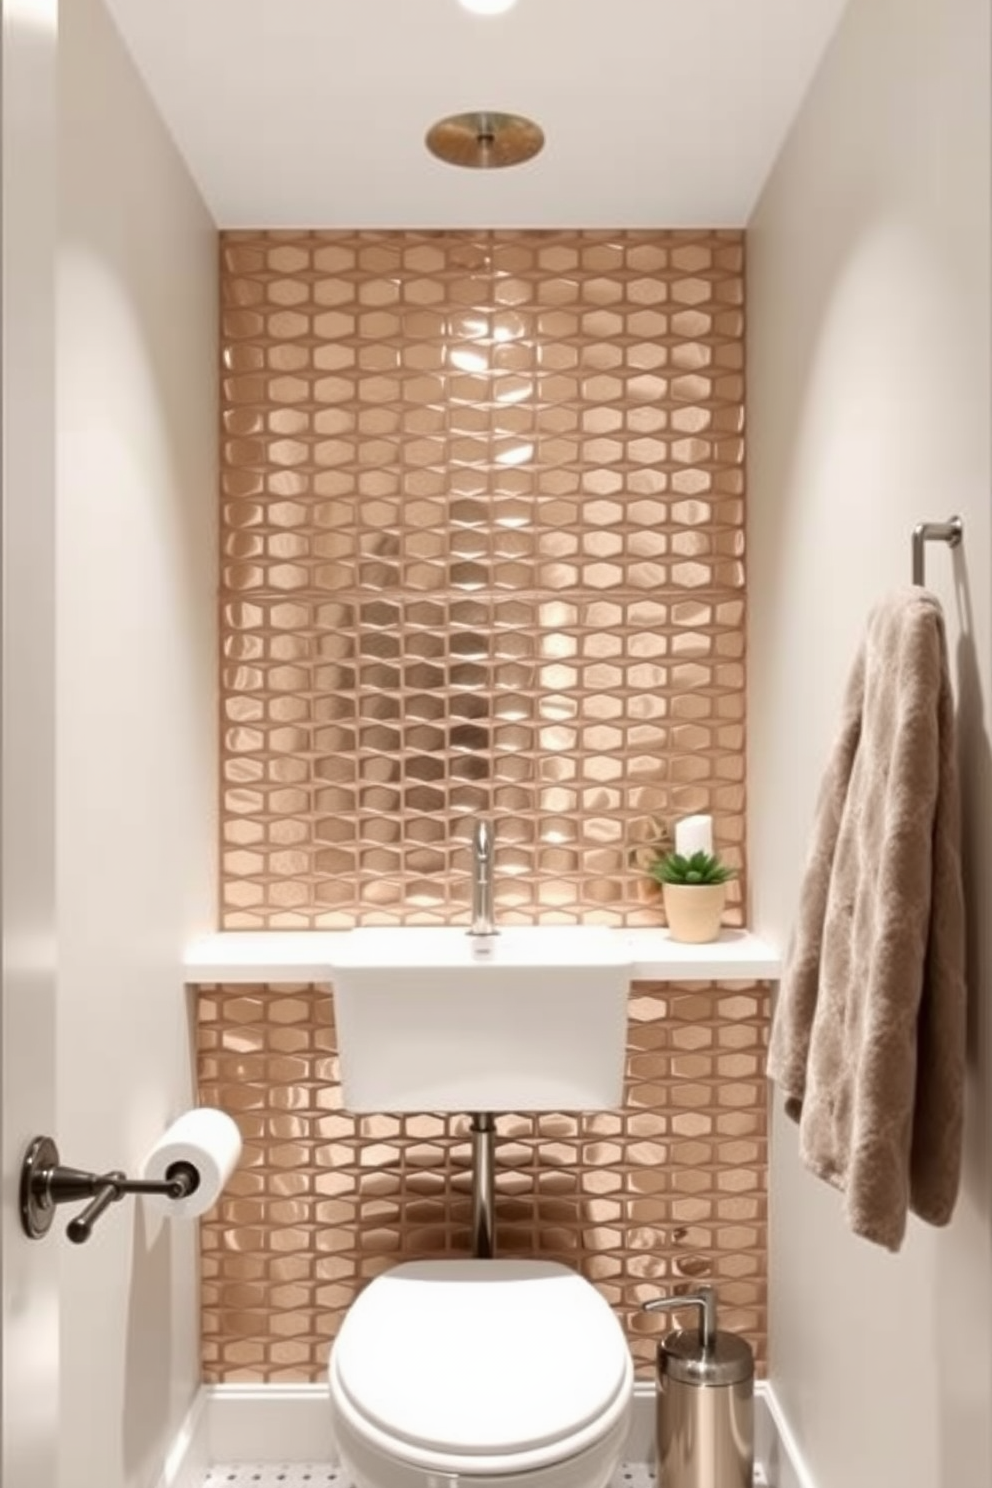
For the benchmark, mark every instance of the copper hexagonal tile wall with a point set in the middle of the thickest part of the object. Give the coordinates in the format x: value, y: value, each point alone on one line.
x: 482, y: 552
x: 663, y: 1193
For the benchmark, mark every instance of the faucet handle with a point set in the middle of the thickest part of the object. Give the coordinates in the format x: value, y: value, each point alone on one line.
x: 483, y: 888
x: 483, y: 838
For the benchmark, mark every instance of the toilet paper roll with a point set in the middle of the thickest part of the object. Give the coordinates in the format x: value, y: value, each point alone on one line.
x: 210, y: 1142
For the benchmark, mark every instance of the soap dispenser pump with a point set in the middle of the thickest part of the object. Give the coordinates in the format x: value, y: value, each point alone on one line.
x: 704, y: 1400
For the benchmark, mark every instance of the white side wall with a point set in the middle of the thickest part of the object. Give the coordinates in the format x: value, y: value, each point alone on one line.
x: 29, y: 1313
x: 136, y: 751
x: 870, y: 410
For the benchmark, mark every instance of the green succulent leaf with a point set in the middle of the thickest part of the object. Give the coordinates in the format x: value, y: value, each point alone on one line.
x: 701, y: 868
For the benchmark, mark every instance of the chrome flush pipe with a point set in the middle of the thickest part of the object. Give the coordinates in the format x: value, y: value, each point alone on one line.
x: 483, y: 1130
x: 482, y: 1126
x: 483, y: 912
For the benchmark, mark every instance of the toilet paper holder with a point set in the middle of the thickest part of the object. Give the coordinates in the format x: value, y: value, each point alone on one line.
x: 46, y: 1183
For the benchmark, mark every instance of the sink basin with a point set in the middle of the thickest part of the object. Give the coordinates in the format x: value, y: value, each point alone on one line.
x: 531, y: 1019
x: 446, y: 947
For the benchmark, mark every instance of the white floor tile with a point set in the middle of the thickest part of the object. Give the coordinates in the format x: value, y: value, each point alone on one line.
x: 319, y: 1475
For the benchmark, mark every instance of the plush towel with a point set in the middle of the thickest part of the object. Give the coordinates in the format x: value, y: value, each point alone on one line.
x: 868, y: 1041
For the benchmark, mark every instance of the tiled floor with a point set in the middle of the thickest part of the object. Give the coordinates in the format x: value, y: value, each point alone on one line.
x: 319, y: 1475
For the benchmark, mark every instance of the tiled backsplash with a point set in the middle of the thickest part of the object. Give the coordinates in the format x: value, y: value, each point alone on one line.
x: 482, y: 535
x: 483, y: 552
x: 667, y: 1191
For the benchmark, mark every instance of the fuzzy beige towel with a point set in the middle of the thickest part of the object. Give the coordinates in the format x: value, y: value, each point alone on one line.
x: 868, y: 1042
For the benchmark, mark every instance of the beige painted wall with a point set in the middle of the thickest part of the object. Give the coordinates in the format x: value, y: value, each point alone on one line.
x: 870, y: 411
x: 136, y: 749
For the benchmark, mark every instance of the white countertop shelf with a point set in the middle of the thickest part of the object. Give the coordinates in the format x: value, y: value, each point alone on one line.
x: 309, y: 956
x: 738, y: 956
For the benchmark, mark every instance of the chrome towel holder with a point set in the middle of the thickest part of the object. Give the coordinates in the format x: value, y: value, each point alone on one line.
x: 950, y: 532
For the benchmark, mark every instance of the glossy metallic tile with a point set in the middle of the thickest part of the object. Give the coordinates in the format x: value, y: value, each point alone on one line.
x: 670, y: 1188
x: 534, y: 436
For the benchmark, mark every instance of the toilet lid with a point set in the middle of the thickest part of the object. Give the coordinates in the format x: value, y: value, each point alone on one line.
x: 481, y: 1357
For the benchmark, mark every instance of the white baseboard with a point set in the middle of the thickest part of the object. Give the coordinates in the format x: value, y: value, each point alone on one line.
x: 269, y: 1423
x: 292, y: 1423
x: 189, y: 1456
x: 783, y: 1460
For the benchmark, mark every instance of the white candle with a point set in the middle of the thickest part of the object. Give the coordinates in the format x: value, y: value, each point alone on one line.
x: 694, y: 834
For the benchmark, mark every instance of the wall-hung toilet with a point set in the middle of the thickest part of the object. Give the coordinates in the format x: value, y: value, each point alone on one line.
x: 480, y: 1369
x: 483, y: 1370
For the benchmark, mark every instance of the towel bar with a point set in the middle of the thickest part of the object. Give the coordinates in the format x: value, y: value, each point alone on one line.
x: 949, y: 532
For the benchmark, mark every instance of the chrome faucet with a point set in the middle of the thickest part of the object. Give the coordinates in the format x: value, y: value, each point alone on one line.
x: 483, y: 913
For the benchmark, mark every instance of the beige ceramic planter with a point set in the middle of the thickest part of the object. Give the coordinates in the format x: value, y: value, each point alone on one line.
x: 694, y: 911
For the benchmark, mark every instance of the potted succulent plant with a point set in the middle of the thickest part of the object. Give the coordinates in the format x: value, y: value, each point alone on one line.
x: 694, y: 889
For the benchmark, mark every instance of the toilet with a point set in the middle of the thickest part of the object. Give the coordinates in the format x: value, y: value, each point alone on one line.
x: 482, y: 1370
x: 485, y: 1370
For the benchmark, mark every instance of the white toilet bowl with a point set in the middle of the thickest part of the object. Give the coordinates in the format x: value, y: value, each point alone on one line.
x: 480, y: 1371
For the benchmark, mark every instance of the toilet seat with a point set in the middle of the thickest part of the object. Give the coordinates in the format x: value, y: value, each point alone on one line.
x: 481, y: 1366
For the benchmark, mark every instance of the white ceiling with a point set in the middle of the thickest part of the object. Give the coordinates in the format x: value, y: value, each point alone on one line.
x: 312, y: 113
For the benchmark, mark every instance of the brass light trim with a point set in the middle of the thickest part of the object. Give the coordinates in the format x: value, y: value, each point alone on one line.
x: 484, y: 140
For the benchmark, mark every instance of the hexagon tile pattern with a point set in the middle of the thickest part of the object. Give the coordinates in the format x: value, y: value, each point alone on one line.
x: 482, y: 552
x: 645, y: 1200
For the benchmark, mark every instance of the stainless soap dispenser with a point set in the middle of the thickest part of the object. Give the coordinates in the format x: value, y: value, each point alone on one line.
x: 704, y: 1401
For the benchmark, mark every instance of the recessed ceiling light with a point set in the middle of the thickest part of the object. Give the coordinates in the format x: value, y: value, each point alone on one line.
x: 488, y: 7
